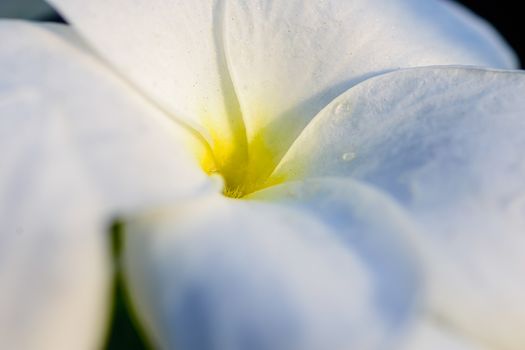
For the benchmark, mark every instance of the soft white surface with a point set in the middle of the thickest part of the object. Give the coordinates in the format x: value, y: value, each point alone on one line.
x: 386, y: 236
x: 447, y: 143
x: 77, y: 147
x: 277, y: 62
x: 69, y: 139
x: 288, y: 59
x: 270, y: 276
x: 171, y: 50
x: 431, y: 334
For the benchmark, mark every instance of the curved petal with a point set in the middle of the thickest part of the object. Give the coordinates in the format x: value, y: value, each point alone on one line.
x: 350, y: 209
x: 76, y: 148
x: 289, y: 59
x: 254, y: 73
x: 229, y: 274
x: 390, y: 242
x: 173, y: 52
x: 430, y: 334
x: 448, y: 144
x: 507, y: 57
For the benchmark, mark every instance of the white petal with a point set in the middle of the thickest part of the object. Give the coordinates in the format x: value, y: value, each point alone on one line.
x: 289, y: 59
x: 171, y: 50
x: 448, y: 144
x: 501, y: 50
x: 255, y: 72
x: 375, y: 226
x: 76, y: 148
x: 430, y: 334
x: 227, y: 274
x: 389, y: 240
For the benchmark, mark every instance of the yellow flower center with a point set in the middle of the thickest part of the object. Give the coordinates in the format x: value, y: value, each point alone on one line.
x: 244, y: 165
x: 244, y: 158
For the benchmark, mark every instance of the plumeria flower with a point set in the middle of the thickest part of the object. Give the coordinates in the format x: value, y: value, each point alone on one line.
x: 290, y: 175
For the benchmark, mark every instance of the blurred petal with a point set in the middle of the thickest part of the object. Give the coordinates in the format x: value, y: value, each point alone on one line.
x: 76, y: 148
x: 448, y: 144
x: 251, y: 74
x: 432, y: 334
x: 351, y: 210
x: 228, y: 274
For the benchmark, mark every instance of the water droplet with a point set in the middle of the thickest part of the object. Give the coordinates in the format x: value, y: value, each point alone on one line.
x: 340, y: 109
x: 348, y: 156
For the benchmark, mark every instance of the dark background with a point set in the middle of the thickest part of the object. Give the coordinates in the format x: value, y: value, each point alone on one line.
x: 508, y: 19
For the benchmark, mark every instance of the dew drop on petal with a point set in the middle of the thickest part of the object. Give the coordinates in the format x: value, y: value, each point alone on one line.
x: 348, y: 156
x: 340, y: 109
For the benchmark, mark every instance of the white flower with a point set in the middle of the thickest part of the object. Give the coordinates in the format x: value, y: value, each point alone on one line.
x: 382, y: 208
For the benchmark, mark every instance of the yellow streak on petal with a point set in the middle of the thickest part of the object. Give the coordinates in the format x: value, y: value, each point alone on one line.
x: 244, y: 166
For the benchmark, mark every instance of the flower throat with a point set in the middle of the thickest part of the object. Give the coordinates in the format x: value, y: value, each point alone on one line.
x: 244, y: 166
